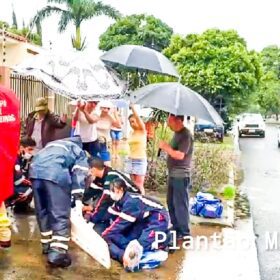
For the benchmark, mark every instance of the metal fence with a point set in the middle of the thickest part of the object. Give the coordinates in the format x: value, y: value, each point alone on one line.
x: 28, y: 89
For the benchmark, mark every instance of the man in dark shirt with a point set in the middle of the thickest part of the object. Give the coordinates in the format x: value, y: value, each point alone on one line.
x: 179, y: 152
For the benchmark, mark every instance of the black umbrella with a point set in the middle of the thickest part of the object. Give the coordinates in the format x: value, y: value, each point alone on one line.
x: 176, y: 99
x: 139, y: 57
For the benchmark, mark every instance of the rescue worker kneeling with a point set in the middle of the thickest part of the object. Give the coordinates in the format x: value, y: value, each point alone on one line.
x: 137, y: 217
x: 100, y: 190
x: 22, y: 196
x: 57, y: 171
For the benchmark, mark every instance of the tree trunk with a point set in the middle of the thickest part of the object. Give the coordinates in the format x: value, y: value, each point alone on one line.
x: 77, y: 42
x: 277, y: 117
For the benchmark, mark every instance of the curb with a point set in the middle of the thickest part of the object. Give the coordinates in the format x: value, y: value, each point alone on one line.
x: 253, y: 253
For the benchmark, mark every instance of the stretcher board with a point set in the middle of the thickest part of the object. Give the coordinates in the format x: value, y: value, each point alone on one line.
x: 87, y: 239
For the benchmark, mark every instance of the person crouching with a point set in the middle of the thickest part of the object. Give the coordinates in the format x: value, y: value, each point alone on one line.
x: 136, y: 217
x: 22, y: 196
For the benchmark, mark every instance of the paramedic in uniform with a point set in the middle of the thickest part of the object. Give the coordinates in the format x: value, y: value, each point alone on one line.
x: 135, y: 217
x: 57, y: 171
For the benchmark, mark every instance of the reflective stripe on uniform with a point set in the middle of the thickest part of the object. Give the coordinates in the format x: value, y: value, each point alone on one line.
x: 94, y: 186
x: 77, y: 191
x: 46, y: 233
x: 148, y: 201
x: 59, y: 245
x: 61, y: 238
x: 19, y: 181
x: 106, y: 192
x: 123, y: 178
x: 122, y: 215
x: 58, y: 145
x: 146, y: 214
x: 113, y: 212
x: 76, y: 166
x: 49, y: 240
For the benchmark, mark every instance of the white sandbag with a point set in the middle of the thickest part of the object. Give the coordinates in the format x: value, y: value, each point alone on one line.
x: 87, y: 239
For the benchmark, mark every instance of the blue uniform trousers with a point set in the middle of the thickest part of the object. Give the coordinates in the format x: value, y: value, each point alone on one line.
x: 53, y: 206
x: 143, y: 231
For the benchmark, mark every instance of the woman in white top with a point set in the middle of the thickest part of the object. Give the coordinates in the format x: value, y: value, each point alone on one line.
x: 86, y: 119
x: 105, y: 123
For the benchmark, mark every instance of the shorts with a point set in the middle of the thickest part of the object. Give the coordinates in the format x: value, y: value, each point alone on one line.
x: 116, y: 135
x: 104, y: 155
x: 102, y: 150
x: 136, y: 166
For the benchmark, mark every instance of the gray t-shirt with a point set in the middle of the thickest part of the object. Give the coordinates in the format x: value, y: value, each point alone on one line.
x: 181, y: 141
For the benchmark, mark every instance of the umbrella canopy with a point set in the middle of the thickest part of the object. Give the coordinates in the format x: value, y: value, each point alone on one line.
x: 72, y: 75
x: 139, y: 57
x: 175, y: 99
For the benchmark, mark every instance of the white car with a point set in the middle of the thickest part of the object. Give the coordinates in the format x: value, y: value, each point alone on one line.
x: 251, y: 124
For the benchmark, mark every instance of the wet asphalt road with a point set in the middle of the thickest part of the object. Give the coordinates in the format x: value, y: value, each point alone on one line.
x: 261, y: 163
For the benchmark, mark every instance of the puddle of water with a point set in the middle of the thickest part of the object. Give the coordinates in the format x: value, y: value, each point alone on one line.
x: 24, y: 260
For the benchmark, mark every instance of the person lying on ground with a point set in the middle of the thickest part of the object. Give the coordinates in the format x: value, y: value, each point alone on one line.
x: 136, y: 217
x: 57, y: 172
x: 99, y: 190
x: 22, y: 196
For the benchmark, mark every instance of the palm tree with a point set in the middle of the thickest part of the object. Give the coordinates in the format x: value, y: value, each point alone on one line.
x: 75, y: 11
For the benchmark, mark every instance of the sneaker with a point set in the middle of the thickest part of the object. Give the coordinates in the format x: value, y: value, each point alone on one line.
x: 58, y: 257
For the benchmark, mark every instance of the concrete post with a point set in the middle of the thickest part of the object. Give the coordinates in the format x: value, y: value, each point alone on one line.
x: 51, y: 101
x: 5, y: 76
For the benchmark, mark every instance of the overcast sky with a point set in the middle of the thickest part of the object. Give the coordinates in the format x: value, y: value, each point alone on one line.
x: 257, y: 21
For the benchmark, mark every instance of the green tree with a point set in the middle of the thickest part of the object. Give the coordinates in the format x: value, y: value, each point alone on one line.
x: 25, y: 32
x: 270, y: 59
x: 268, y: 94
x: 4, y: 24
x: 14, y: 18
x: 76, y: 11
x: 39, y: 30
x: 137, y: 30
x: 216, y: 64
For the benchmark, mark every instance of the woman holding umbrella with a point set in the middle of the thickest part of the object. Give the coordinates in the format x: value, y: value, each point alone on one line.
x: 137, y: 141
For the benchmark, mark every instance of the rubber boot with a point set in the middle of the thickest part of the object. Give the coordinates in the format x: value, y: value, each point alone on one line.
x: 46, y: 239
x: 5, y: 231
x: 58, y: 257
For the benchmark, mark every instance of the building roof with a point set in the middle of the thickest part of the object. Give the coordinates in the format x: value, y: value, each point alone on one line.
x: 14, y: 36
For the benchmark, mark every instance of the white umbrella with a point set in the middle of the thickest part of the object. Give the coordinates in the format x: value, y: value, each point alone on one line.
x: 73, y: 75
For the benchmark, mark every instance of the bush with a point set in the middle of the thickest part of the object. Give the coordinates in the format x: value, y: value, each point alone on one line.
x: 211, y: 166
x: 229, y: 192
